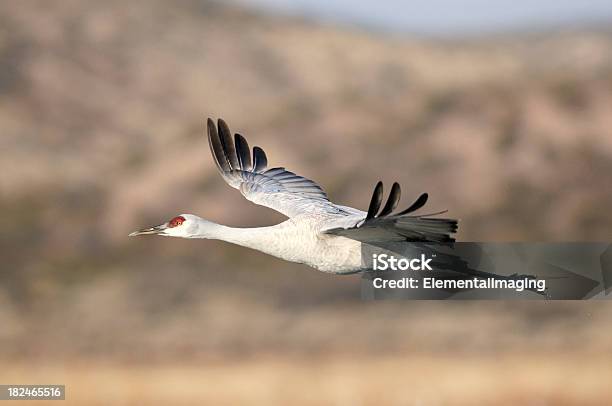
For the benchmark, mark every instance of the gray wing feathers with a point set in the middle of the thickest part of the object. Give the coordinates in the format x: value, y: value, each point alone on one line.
x: 276, y: 188
x: 293, y: 195
x: 402, y: 226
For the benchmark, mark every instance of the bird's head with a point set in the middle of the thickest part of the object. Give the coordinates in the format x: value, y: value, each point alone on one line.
x: 184, y: 225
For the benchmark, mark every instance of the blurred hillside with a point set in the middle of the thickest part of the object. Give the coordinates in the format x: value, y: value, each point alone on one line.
x: 102, y: 112
x: 103, y: 106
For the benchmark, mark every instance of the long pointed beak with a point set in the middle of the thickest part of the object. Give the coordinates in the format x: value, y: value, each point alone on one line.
x: 151, y: 230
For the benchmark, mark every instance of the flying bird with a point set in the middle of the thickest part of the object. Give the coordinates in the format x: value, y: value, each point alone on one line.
x: 318, y: 233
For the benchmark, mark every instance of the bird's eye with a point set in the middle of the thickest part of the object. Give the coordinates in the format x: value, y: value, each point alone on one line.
x: 177, y: 221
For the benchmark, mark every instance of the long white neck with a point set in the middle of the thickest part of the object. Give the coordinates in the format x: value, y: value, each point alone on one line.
x: 259, y: 238
x: 290, y: 240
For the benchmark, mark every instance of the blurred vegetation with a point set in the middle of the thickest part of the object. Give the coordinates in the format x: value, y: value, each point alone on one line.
x: 102, y: 110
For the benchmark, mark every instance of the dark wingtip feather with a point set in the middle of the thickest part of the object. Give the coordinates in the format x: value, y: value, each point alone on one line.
x: 260, y: 161
x: 420, y: 202
x: 428, y: 230
x: 376, y: 201
x: 228, y: 144
x: 243, y: 152
x: 216, y: 147
x: 392, y: 200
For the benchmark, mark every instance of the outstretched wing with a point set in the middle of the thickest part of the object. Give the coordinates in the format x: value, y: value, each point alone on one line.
x: 383, y: 226
x: 276, y: 188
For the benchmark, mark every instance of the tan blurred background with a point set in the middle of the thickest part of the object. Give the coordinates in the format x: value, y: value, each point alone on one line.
x: 102, y: 110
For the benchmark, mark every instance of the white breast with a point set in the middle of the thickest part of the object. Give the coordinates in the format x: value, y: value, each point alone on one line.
x: 297, y: 240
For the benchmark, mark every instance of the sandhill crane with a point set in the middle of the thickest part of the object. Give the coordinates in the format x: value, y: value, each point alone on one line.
x: 318, y: 233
